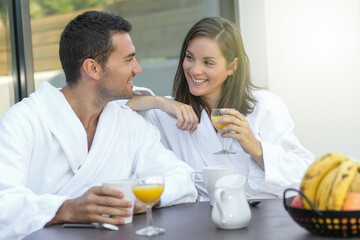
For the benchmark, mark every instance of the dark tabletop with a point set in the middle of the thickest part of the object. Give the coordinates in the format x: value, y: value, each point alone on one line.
x: 270, y: 221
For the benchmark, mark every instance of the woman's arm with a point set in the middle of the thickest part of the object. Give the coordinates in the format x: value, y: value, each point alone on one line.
x: 187, y: 119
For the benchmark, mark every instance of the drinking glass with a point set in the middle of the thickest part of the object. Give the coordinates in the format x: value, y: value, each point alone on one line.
x: 216, y: 114
x: 148, y: 189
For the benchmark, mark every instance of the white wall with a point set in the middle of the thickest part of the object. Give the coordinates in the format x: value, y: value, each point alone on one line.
x: 312, y: 55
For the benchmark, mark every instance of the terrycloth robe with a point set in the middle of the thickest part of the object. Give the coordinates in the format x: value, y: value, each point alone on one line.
x: 44, y: 158
x: 285, y: 159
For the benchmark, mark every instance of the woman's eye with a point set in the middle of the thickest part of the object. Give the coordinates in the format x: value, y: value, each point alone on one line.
x: 208, y: 63
x: 188, y: 57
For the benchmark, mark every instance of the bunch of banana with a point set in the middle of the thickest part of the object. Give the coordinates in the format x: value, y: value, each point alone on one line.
x: 317, y: 172
x: 334, y: 187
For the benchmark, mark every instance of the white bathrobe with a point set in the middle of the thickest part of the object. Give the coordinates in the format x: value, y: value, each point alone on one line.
x: 285, y: 160
x: 44, y: 158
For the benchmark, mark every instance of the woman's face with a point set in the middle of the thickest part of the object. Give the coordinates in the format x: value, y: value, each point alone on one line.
x: 205, y: 69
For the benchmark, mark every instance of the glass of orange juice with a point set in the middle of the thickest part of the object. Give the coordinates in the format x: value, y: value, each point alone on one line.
x: 148, y: 189
x: 216, y: 114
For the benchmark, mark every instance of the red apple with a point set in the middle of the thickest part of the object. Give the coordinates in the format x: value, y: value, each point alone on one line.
x: 297, y: 203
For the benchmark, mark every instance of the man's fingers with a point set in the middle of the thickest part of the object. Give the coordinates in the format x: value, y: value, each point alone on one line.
x: 112, y: 220
x: 107, y: 191
x: 96, y: 211
x: 106, y: 196
x: 112, y: 202
x: 139, y: 207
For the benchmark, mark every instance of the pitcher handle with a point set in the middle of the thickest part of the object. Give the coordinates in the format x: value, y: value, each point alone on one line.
x: 218, y: 199
x: 193, y: 176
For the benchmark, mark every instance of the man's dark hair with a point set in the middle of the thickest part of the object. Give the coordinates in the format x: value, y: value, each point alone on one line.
x: 88, y: 36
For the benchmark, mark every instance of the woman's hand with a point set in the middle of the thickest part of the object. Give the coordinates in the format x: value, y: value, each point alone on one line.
x: 239, y: 129
x: 187, y: 119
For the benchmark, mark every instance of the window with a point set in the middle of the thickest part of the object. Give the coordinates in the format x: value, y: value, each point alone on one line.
x: 7, y: 94
x: 159, y: 27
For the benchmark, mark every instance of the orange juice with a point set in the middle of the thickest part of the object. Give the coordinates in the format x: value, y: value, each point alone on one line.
x: 148, y: 193
x: 219, y: 126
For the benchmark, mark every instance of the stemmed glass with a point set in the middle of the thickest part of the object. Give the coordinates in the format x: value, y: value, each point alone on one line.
x: 216, y: 114
x: 148, y: 189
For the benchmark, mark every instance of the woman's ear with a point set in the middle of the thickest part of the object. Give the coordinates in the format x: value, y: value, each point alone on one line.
x: 234, y: 64
x: 92, y: 68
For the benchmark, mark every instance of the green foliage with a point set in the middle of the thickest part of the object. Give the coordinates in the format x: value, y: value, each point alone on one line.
x: 41, y: 8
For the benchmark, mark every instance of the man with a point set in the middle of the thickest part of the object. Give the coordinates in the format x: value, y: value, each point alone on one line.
x: 58, y: 146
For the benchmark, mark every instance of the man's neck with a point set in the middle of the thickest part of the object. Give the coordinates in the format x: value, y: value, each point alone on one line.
x: 82, y: 101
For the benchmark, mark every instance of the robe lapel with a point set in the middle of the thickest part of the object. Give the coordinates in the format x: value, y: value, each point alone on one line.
x: 97, y: 156
x: 67, y: 128
x: 62, y: 121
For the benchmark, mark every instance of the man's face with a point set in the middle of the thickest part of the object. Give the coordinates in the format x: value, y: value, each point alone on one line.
x: 119, y: 70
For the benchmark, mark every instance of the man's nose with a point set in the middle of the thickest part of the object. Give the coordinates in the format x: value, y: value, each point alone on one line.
x: 137, y: 68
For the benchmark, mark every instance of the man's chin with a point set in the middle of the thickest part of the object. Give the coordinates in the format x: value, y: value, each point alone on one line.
x: 127, y: 96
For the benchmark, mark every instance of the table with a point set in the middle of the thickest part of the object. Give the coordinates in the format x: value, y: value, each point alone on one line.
x: 189, y: 221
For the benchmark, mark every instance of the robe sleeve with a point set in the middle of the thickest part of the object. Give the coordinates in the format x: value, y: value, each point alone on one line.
x: 153, y: 157
x: 285, y: 159
x: 22, y: 211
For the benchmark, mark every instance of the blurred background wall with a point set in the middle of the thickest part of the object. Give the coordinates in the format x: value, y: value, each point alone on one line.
x: 308, y: 53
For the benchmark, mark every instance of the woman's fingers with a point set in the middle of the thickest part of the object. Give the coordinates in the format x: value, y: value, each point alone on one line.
x: 187, y: 119
x: 233, y: 112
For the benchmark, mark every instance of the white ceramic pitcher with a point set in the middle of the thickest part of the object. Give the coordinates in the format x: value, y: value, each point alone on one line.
x: 231, y: 209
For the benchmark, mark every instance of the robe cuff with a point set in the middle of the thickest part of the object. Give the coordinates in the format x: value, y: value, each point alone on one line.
x: 265, y: 180
x: 51, y: 204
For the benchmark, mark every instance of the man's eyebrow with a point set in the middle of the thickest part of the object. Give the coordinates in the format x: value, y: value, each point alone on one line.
x: 130, y: 55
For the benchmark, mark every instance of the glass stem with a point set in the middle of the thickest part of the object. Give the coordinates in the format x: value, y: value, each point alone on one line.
x: 149, y: 220
x: 223, y: 143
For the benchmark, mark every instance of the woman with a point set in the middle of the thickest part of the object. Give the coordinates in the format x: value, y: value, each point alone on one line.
x: 213, y: 72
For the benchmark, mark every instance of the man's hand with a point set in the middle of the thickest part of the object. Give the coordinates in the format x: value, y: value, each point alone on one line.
x: 140, y: 207
x: 91, y: 205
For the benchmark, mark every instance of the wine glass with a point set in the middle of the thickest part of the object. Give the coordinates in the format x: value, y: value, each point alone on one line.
x: 148, y: 189
x: 216, y: 114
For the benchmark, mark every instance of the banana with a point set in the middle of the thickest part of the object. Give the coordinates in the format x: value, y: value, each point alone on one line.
x: 316, y: 172
x: 355, y: 185
x: 324, y: 189
x: 347, y: 173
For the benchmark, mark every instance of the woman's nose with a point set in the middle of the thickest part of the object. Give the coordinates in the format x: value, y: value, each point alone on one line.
x: 196, y: 69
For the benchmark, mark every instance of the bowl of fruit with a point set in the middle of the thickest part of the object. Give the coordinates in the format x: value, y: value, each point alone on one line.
x: 328, y: 202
